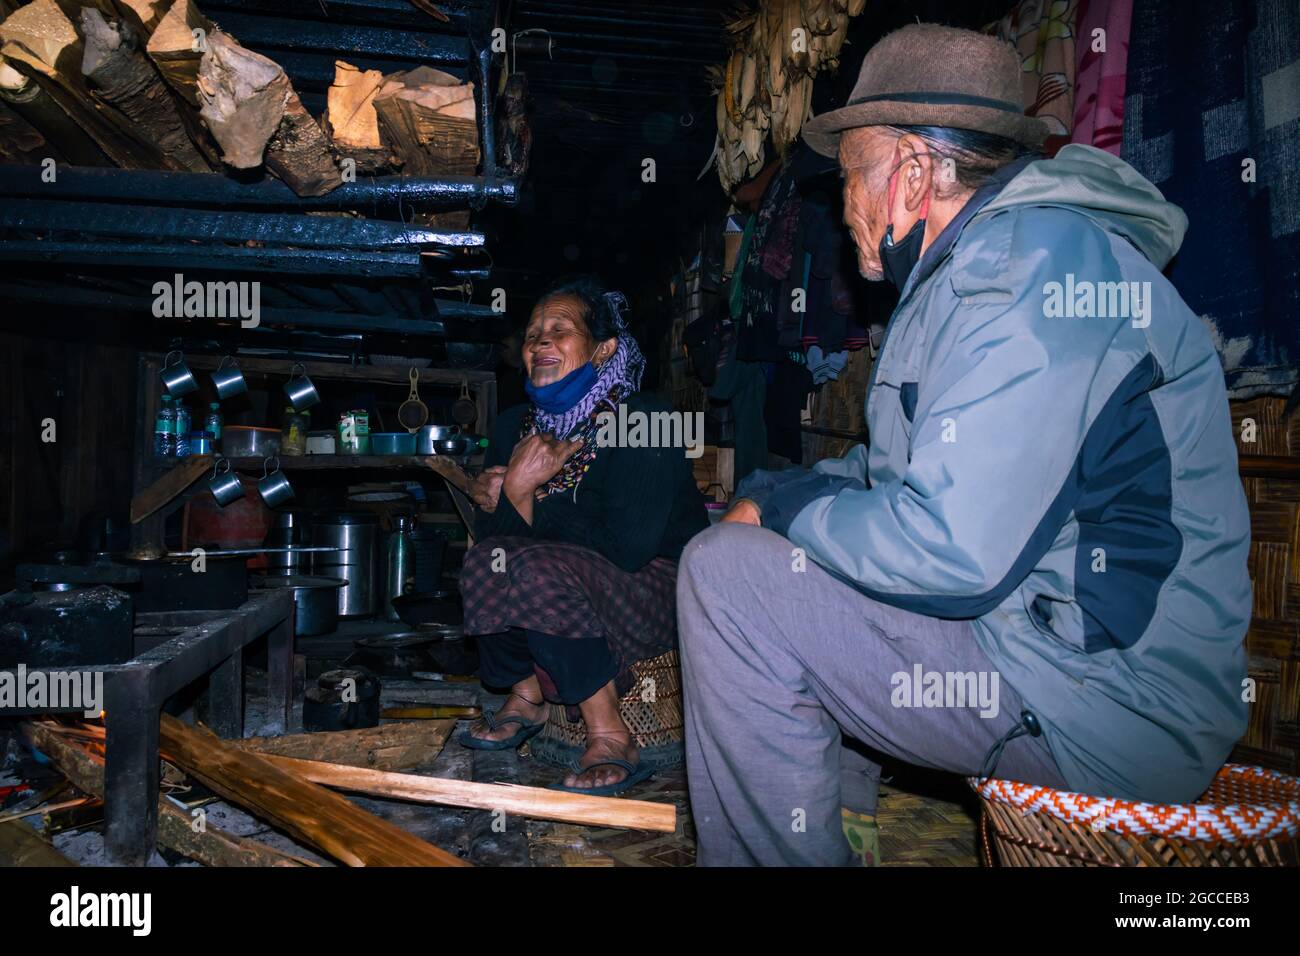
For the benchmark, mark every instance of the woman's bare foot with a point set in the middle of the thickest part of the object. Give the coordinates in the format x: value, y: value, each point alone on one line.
x: 607, y: 738
x: 525, y: 701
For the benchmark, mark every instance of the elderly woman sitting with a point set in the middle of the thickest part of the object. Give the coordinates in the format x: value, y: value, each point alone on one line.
x: 573, y: 576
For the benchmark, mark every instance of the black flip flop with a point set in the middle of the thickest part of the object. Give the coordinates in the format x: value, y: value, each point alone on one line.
x: 524, y: 733
x: 642, y: 771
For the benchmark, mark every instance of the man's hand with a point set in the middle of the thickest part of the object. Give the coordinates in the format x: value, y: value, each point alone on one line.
x: 486, y: 488
x: 743, y: 511
x: 535, y: 461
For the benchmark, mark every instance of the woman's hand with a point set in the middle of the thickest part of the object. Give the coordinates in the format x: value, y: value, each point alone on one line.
x: 486, y: 488
x: 535, y: 461
x: 743, y: 511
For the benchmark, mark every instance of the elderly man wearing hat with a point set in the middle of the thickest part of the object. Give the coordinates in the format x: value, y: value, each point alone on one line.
x: 1036, y: 569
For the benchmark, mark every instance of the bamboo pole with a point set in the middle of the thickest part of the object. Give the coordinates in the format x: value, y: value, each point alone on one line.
x: 521, y: 801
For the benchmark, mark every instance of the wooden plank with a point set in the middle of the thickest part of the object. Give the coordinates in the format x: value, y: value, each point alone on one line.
x: 85, y: 770
x: 397, y: 374
x: 397, y: 746
x: 522, y: 801
x: 171, y: 484
x: 344, y: 462
x: 20, y: 845
x: 302, y: 808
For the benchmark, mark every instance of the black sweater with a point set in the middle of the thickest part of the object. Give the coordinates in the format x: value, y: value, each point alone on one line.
x: 634, y: 504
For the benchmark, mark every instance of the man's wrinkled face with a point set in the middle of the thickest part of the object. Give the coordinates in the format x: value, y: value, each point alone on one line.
x: 865, y: 156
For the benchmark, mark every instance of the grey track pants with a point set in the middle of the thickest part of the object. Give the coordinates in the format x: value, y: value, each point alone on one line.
x: 779, y: 665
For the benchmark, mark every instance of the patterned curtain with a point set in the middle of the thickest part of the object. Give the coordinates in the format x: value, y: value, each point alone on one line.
x: 1212, y: 117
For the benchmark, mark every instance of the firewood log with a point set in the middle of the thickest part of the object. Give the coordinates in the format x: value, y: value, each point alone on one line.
x: 350, y: 120
x: 256, y: 117
x: 124, y: 79
x: 67, y: 142
x: 242, y: 97
x: 299, y: 153
x: 177, y: 45
x: 43, y: 44
x: 427, y: 119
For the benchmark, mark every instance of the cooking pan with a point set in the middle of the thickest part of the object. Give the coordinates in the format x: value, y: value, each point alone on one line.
x: 437, y: 609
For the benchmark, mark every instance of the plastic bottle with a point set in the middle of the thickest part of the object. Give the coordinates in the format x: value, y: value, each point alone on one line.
x: 212, y: 423
x: 164, y: 429
x: 183, y: 424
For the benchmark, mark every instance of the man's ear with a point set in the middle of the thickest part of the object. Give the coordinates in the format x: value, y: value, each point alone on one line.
x: 915, y: 176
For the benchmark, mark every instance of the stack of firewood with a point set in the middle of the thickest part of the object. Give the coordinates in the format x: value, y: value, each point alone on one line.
x: 154, y: 84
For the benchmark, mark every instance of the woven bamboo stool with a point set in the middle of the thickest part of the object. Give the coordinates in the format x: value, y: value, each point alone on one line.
x: 652, y: 710
x: 1250, y: 816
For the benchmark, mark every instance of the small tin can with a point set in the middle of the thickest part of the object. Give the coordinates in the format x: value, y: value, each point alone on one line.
x: 354, y: 432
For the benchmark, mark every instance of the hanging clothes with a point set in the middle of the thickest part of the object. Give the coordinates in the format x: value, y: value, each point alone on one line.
x: 1101, y: 74
x: 1043, y: 33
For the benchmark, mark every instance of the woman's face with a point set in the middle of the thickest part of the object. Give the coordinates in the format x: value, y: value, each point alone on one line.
x: 556, y: 341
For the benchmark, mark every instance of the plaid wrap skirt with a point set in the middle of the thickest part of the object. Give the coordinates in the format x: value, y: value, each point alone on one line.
x: 572, y: 592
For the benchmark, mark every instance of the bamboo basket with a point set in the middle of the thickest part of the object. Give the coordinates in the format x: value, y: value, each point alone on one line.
x: 1250, y: 816
x: 652, y: 710
x: 1272, y: 737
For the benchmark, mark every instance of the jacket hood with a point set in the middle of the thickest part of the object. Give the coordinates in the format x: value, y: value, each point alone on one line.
x: 1105, y: 189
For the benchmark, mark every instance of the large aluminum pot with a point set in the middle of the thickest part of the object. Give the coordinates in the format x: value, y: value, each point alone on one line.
x: 315, y: 600
x: 357, y: 534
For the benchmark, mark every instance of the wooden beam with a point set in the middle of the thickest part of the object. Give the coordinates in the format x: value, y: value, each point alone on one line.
x: 20, y: 845
x: 68, y: 142
x: 301, y: 808
x: 171, y: 484
x: 397, y: 746
x: 85, y: 771
x: 522, y: 801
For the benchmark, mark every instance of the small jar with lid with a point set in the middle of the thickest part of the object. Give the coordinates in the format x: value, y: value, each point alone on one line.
x: 293, y: 433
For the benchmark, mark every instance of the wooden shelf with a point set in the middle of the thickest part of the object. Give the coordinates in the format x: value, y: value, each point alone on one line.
x: 327, y: 462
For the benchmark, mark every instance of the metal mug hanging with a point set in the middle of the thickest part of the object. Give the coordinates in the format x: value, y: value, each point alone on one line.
x: 177, y: 375
x: 224, y: 484
x: 274, y: 486
x: 302, y: 393
x: 229, y: 382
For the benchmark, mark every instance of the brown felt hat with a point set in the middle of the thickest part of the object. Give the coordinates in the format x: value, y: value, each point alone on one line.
x: 931, y: 75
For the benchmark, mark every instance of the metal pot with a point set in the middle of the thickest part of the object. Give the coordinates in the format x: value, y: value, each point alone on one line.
x: 357, y: 534
x: 315, y: 600
x: 429, y: 434
x: 288, y: 529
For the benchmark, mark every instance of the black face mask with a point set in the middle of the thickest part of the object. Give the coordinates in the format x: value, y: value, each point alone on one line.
x: 898, y: 259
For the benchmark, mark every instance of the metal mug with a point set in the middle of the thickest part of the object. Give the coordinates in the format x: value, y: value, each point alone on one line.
x: 224, y: 484
x: 302, y: 393
x: 274, y: 486
x: 229, y: 381
x: 177, y: 375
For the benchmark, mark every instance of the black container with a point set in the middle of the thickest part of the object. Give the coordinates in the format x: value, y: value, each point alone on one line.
x: 172, y: 584
x: 323, y: 706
